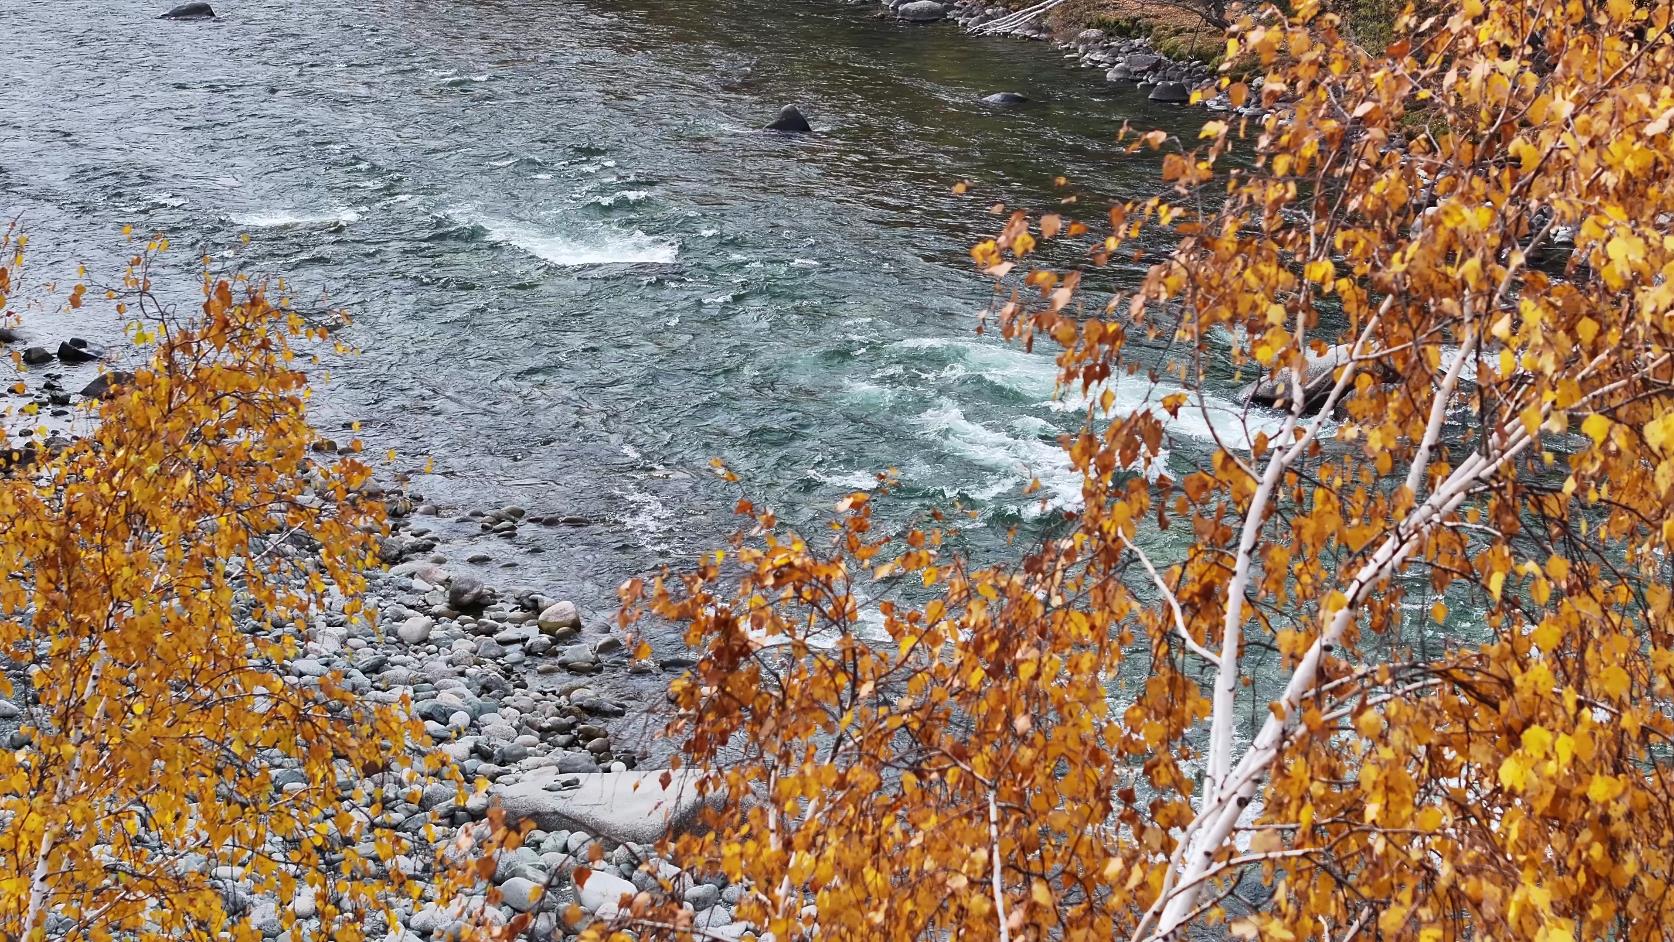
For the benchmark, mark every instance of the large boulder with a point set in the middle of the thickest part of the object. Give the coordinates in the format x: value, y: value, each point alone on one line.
x: 790, y: 121
x: 921, y: 11
x: 622, y: 806
x: 190, y: 11
x: 1318, y: 376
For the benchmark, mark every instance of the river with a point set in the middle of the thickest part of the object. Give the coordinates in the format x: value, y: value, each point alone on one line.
x: 577, y: 271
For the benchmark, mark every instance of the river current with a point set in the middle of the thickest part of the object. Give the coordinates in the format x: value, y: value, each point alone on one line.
x: 578, y: 273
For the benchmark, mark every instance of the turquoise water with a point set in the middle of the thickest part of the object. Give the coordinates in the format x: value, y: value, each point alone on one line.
x: 578, y: 273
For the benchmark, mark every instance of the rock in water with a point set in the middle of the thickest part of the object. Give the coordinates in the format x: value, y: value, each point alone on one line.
x: 921, y: 11
x: 190, y: 11
x: 1318, y: 378
x: 35, y: 356
x: 8, y: 335
x: 1005, y: 99
x: 105, y: 386
x: 77, y: 350
x: 1174, y: 93
x: 791, y: 121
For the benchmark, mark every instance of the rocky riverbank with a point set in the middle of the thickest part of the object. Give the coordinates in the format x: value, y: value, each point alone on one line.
x: 1131, y: 60
x: 516, y: 687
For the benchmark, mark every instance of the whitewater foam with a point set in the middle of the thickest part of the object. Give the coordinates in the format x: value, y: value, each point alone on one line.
x: 597, y: 247
x: 341, y: 215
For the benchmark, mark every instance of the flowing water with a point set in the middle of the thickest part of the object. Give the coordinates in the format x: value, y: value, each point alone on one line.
x: 578, y: 273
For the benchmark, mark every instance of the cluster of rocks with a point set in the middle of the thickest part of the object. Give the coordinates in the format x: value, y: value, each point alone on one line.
x: 50, y: 396
x: 516, y: 689
x: 1122, y: 60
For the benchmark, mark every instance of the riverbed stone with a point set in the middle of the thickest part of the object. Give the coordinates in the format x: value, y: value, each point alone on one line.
x: 1005, y: 99
x: 602, y: 894
x: 416, y: 630
x: 559, y: 617
x: 622, y: 806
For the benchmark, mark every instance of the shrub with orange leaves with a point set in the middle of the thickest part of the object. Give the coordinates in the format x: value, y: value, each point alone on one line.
x: 1394, y: 660
x: 155, y: 574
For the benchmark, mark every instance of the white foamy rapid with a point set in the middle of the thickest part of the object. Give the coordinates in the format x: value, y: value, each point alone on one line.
x: 594, y: 247
x: 340, y: 215
x: 1022, y: 452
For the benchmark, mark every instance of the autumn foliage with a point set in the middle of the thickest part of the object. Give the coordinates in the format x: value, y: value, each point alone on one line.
x: 1397, y: 661
x: 155, y: 573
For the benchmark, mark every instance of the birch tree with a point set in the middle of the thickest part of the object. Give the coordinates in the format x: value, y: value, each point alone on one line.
x: 1394, y: 659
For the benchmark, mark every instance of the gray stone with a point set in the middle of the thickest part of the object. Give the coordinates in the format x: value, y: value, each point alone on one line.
x: 469, y: 595
x: 1005, y: 99
x: 602, y: 894
x: 703, y: 895
x: 1142, y: 62
x: 9, y: 710
x: 921, y: 11
x: 416, y: 630
x: 622, y: 806
x: 521, y: 894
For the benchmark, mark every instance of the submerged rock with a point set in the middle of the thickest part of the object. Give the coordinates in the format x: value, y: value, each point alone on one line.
x: 189, y: 11
x: 791, y: 121
x: 1005, y: 99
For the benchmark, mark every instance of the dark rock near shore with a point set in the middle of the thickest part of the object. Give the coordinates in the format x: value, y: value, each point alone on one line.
x: 1173, y: 93
x: 35, y: 356
x: 8, y: 335
x: 190, y: 11
x: 1005, y: 99
x: 790, y: 121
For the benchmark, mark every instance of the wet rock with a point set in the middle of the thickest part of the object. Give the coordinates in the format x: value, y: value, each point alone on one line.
x: 469, y: 595
x: 190, y: 11
x: 1173, y: 93
x: 106, y: 385
x: 790, y: 121
x: 77, y: 350
x: 35, y: 356
x: 921, y: 11
x: 1005, y: 99
x: 1142, y: 62
x: 8, y: 335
